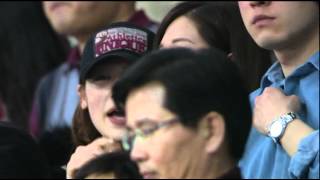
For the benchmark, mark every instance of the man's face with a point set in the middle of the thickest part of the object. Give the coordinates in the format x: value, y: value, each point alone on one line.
x: 79, y: 17
x: 276, y: 24
x: 171, y: 151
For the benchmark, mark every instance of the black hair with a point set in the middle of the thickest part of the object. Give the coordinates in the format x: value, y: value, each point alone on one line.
x: 196, y: 82
x: 177, y: 11
x: 118, y: 163
x: 29, y: 49
x: 221, y: 26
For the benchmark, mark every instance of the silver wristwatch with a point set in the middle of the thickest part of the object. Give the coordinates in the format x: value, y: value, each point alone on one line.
x: 278, y: 126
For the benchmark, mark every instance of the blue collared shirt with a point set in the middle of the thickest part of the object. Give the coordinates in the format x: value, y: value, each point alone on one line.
x: 265, y: 159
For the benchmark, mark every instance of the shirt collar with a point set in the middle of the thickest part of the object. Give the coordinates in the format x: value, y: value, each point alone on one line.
x: 275, y: 73
x: 74, y: 57
x: 140, y: 18
x: 314, y: 60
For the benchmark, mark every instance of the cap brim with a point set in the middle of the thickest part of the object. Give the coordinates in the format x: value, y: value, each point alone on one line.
x: 112, y: 56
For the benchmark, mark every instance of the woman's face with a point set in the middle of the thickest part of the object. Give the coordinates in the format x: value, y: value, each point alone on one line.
x: 96, y: 96
x: 182, y: 32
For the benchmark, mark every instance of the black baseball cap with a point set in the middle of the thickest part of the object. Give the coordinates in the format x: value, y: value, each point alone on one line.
x: 121, y: 39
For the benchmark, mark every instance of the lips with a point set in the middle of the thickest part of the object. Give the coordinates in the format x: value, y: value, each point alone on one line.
x: 261, y: 18
x: 117, y: 117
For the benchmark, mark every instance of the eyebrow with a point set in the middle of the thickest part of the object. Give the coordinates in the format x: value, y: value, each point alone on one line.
x: 182, y: 39
x: 140, y: 122
x: 143, y: 121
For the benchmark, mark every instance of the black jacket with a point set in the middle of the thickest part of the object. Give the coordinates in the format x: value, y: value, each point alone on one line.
x: 20, y: 156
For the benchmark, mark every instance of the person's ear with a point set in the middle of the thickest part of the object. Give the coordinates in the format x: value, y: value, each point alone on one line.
x: 83, y: 97
x: 213, y: 130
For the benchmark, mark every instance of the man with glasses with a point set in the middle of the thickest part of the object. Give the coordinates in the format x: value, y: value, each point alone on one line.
x: 188, y: 114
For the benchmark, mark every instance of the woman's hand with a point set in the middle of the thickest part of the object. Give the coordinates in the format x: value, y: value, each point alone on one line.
x: 83, y: 154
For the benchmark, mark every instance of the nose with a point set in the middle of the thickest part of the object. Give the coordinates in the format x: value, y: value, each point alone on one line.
x: 259, y: 3
x: 138, y: 152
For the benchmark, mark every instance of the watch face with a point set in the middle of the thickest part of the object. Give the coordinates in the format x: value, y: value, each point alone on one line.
x: 276, y: 129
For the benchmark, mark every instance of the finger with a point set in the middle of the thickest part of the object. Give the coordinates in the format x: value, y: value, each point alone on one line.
x: 257, y: 100
x: 97, y: 152
x: 102, y: 141
x: 107, y: 143
x: 79, y: 149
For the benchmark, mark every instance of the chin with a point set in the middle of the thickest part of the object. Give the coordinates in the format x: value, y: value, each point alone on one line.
x: 267, y: 43
x: 62, y: 29
x: 272, y: 41
x: 116, y: 134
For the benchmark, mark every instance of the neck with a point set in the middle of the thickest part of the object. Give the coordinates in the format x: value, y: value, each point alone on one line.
x: 125, y: 12
x: 81, y: 42
x: 298, y: 53
x: 219, y: 165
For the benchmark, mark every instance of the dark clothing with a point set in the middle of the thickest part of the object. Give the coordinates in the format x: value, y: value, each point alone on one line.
x: 20, y: 157
x: 234, y: 173
x: 2, y: 115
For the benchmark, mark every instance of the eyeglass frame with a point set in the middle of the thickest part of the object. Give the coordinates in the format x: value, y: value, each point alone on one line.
x: 127, y: 140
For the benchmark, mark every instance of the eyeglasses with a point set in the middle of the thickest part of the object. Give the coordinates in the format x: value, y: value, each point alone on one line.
x: 142, y: 133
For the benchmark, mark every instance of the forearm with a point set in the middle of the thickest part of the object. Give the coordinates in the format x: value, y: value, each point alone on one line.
x: 305, y: 162
x: 294, y: 133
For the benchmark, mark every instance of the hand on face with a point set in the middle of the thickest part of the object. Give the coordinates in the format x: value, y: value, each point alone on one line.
x: 271, y: 104
x: 84, y: 154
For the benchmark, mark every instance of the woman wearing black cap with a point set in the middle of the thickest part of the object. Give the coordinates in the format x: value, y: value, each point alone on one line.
x: 97, y: 125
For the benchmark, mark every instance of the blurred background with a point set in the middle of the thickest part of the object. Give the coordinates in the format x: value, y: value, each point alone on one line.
x: 156, y: 10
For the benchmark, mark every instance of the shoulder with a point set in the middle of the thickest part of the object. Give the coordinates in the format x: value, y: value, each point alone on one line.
x: 48, y: 81
x: 11, y: 137
x: 56, y: 73
x: 20, y: 156
x: 7, y: 130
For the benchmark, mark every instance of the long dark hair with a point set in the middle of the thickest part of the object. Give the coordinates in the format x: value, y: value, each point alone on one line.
x: 221, y: 26
x: 29, y: 48
x: 83, y: 130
